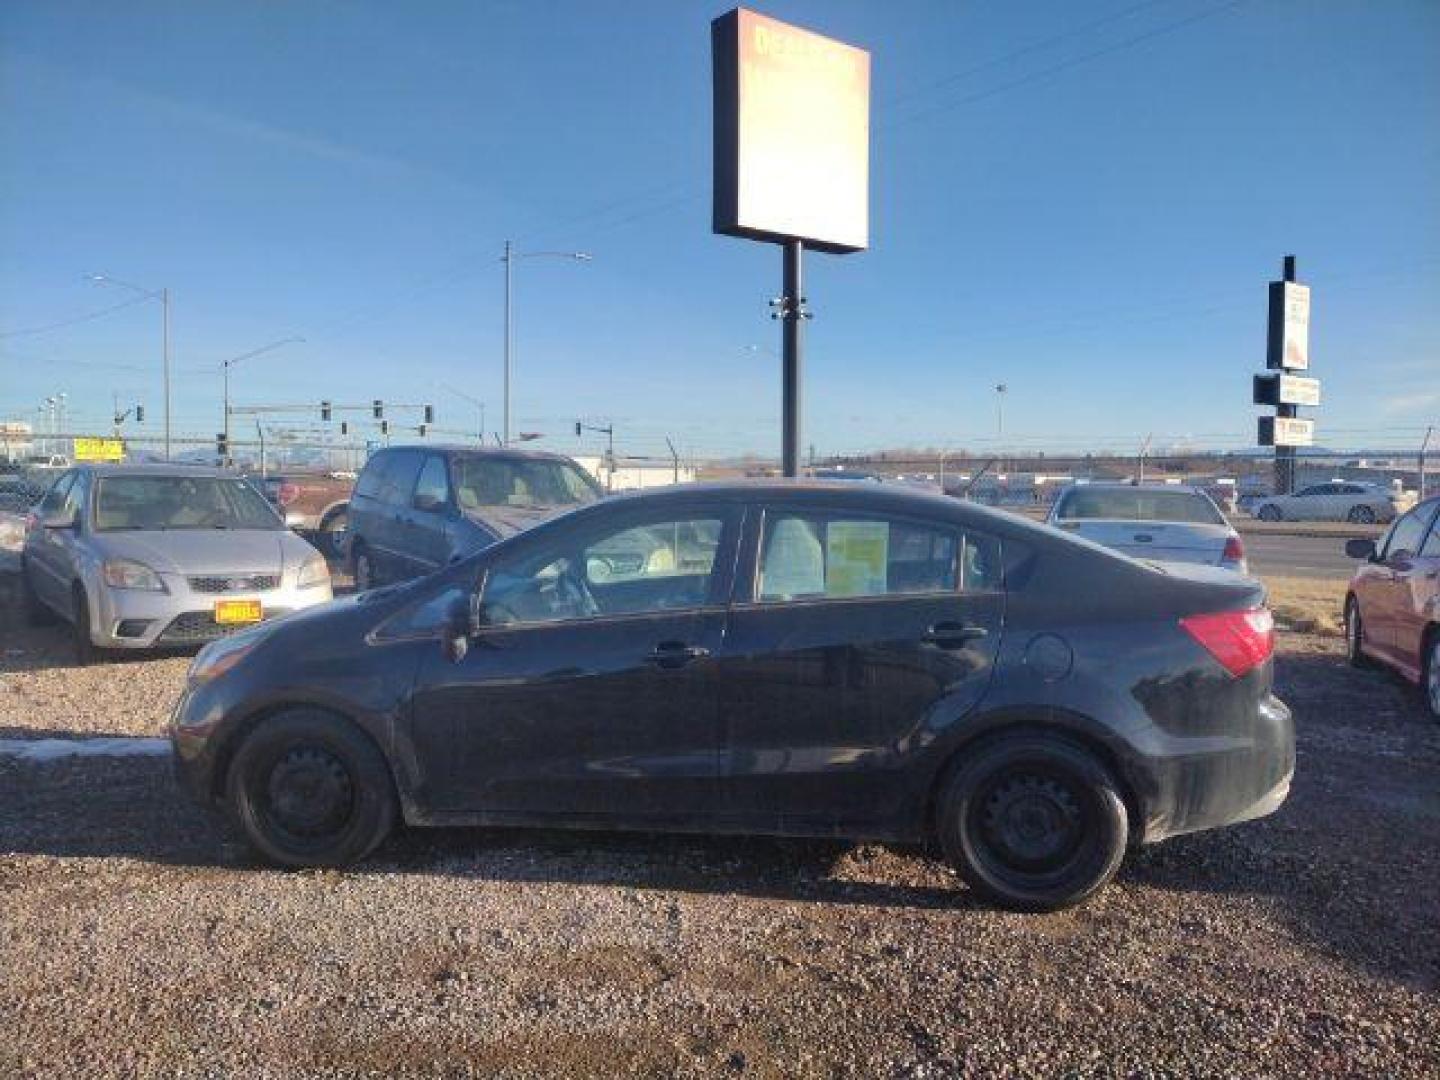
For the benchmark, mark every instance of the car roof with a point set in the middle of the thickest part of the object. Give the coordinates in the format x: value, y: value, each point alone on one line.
x: 462, y: 450
x: 1117, y: 485
x: 174, y: 469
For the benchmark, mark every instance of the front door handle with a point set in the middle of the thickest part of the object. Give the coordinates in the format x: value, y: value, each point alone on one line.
x: 953, y: 635
x: 675, y: 654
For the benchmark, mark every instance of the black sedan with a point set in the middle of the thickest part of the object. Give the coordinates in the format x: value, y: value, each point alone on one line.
x: 802, y: 658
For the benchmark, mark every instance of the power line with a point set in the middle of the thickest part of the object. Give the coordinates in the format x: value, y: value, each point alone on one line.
x: 63, y: 323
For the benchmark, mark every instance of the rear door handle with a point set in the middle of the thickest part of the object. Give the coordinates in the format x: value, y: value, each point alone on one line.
x: 953, y: 635
x: 675, y: 654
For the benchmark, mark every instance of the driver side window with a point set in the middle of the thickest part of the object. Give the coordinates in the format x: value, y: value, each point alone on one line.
x: 657, y: 566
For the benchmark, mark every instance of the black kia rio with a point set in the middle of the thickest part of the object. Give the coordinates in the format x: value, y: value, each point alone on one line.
x: 796, y: 658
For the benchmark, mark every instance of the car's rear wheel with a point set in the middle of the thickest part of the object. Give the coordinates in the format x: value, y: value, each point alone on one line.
x: 309, y: 789
x: 1355, y: 635
x: 1033, y: 822
x: 37, y: 613
x: 1430, y: 684
x: 1269, y: 512
x: 332, y: 533
x: 363, y: 568
x: 1361, y: 515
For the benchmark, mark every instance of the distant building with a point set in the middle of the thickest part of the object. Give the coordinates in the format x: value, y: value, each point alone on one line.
x: 17, y: 439
x: 630, y: 474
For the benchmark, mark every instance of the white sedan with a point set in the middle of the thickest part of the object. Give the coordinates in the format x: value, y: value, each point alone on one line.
x: 1172, y: 523
x: 1336, y: 500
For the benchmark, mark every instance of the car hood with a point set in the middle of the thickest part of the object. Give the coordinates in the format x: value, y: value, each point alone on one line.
x: 506, y: 521
x: 208, y: 551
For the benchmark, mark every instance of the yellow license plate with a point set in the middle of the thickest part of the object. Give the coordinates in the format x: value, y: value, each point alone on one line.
x: 229, y: 612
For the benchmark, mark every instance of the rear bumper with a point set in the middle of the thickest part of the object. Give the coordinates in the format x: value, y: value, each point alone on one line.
x: 1241, y: 780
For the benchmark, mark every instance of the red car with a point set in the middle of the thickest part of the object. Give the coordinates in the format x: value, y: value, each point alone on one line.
x: 1392, y: 608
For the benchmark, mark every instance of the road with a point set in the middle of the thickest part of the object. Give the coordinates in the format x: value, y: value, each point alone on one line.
x: 1298, y: 556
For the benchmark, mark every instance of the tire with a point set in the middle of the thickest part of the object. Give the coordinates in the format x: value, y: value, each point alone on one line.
x: 362, y: 567
x: 1355, y: 635
x: 37, y: 612
x: 1430, y: 673
x: 1269, y: 512
x: 1033, y: 822
x: 332, y: 533
x: 1361, y: 515
x: 308, y: 788
x: 85, y: 651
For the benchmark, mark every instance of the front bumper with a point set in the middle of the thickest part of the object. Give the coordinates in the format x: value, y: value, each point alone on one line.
x: 136, y: 619
x: 1246, y: 778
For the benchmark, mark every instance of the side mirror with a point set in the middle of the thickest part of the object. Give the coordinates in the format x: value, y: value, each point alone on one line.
x: 65, y: 519
x: 428, y: 502
x: 1360, y: 548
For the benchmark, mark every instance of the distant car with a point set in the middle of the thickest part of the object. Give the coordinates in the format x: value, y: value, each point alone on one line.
x: 153, y: 556
x: 796, y: 658
x: 417, y: 509
x: 1392, y: 608
x: 314, y: 504
x: 1335, y: 500
x: 1172, y: 523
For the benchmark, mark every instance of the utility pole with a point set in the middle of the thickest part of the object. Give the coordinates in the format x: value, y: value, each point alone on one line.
x: 675, y: 460
x: 1144, y: 450
x: 1424, y: 448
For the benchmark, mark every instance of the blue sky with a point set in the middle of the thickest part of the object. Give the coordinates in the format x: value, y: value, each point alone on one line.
x: 1083, y: 201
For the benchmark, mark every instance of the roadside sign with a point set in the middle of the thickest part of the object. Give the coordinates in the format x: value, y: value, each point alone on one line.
x: 1288, y: 345
x: 1285, y: 431
x: 99, y: 449
x: 792, y: 134
x: 1285, y: 389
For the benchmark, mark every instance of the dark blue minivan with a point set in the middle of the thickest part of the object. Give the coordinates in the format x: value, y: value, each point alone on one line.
x: 416, y: 509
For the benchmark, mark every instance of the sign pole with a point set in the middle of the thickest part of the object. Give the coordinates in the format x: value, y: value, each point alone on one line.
x: 1285, y: 455
x: 792, y: 313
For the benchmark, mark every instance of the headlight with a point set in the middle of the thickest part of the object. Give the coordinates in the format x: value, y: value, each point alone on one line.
x: 220, y: 656
x: 128, y: 574
x: 313, y: 572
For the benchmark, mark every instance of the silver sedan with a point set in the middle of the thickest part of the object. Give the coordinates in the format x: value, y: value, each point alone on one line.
x: 152, y: 556
x: 1169, y: 523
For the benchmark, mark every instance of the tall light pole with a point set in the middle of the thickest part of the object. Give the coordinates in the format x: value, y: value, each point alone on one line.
x: 509, y: 258
x: 163, y: 295
x: 226, y: 365
x: 1000, y: 391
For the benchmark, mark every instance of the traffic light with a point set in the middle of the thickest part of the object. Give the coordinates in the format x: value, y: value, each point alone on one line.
x: 222, y: 446
x: 577, y: 429
x: 139, y: 414
x: 429, y: 414
x: 344, y: 427
x: 384, y: 427
x: 423, y: 429
x: 378, y: 407
x: 325, y: 411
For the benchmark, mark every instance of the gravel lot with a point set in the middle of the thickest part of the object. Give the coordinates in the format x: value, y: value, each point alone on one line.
x: 140, y: 939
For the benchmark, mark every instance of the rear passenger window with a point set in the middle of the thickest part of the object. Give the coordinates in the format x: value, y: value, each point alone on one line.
x: 823, y: 557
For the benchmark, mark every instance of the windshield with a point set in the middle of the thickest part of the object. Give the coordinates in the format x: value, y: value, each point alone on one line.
x: 1138, y: 504
x: 521, y: 482
x: 152, y: 503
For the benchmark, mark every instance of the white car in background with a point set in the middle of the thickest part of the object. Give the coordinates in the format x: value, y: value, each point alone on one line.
x: 1173, y: 523
x: 1336, y: 500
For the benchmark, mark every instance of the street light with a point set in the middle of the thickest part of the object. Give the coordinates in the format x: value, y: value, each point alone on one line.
x: 163, y: 295
x: 225, y: 366
x: 509, y: 258
x: 1000, y: 390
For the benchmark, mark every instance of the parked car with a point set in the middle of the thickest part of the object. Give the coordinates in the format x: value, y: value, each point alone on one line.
x: 147, y: 556
x: 1392, y: 608
x: 314, y: 504
x: 416, y: 509
x: 1170, y: 524
x: 851, y: 660
x: 1336, y: 500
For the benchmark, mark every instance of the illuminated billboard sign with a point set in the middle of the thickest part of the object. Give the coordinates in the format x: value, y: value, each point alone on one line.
x: 792, y: 134
x: 1289, y: 339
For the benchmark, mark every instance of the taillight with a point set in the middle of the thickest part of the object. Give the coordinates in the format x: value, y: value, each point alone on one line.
x: 1234, y: 551
x: 286, y: 494
x: 1239, y: 640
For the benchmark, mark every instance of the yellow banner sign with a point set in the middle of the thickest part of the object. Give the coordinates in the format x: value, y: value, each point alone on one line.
x: 99, y: 449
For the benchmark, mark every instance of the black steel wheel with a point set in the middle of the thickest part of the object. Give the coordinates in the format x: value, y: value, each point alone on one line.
x: 308, y: 788
x: 1361, y: 515
x: 1269, y: 512
x: 1033, y: 822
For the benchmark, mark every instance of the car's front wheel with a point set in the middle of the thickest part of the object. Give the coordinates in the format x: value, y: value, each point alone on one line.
x: 1033, y: 822
x: 1355, y: 635
x: 85, y: 650
x: 1269, y: 512
x: 310, y: 789
x: 1361, y: 515
x: 332, y: 533
x: 1431, y: 683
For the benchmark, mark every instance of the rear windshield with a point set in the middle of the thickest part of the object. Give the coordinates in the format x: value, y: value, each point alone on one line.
x: 1138, y: 504
x: 521, y: 482
x: 161, y: 503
